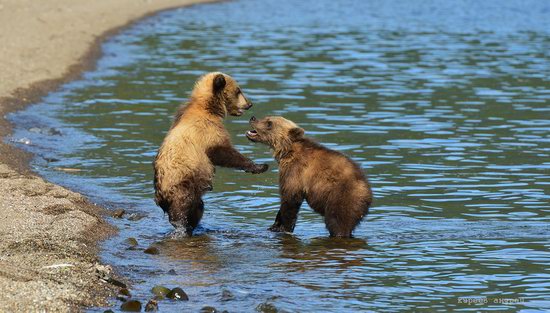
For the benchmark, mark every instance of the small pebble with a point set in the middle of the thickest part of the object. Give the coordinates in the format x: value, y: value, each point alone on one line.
x: 177, y: 294
x: 208, y: 309
x: 122, y: 298
x: 124, y: 292
x: 119, y: 213
x: 266, y: 307
x: 152, y: 250
x: 131, y: 241
x: 227, y: 295
x: 134, y: 217
x: 116, y: 282
x: 152, y: 306
x: 172, y: 272
x: 131, y: 306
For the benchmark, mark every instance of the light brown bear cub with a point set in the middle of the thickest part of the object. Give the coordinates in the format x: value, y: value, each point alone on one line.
x: 196, y: 142
x: 332, y: 184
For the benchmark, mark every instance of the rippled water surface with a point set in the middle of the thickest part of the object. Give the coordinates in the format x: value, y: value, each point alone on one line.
x: 444, y: 104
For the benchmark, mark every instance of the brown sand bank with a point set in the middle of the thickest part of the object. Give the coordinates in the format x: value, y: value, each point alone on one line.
x: 48, y: 235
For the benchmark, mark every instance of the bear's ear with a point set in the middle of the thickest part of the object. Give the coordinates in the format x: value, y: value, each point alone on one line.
x: 219, y: 83
x: 296, y: 133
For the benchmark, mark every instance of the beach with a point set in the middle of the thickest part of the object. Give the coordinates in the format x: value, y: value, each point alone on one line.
x: 49, y: 249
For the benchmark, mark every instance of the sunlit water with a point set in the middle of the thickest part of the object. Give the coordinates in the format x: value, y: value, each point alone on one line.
x: 445, y: 105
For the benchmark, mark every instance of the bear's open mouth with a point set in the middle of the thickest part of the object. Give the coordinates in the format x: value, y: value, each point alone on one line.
x: 251, y: 134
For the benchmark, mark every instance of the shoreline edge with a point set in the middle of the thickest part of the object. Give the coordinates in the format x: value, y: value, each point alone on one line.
x: 49, y: 253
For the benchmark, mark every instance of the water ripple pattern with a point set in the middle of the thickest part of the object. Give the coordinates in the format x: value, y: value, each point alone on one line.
x: 445, y: 104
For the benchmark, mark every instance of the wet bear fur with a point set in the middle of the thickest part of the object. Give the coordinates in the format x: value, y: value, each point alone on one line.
x: 331, y: 183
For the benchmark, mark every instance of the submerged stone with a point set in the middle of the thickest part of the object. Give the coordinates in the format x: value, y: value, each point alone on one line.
x: 152, y: 250
x: 135, y: 217
x: 172, y: 272
x: 131, y: 306
x: 208, y: 309
x: 122, y: 298
x: 124, y: 292
x: 116, y: 282
x: 160, y: 291
x: 119, y: 213
x: 227, y: 295
x: 131, y: 241
x: 177, y: 294
x: 152, y: 306
x: 266, y: 307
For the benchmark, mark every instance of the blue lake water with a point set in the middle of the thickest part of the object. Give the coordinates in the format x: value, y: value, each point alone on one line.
x: 444, y: 104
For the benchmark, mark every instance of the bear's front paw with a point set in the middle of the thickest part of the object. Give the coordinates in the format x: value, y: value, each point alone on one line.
x: 259, y: 168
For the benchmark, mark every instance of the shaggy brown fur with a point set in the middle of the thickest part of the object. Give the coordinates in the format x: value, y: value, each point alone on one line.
x: 198, y: 140
x: 332, y: 184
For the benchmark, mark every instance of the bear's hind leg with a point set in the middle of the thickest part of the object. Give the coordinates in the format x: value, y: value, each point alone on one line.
x: 341, y: 221
x: 338, y: 228
x: 185, y: 211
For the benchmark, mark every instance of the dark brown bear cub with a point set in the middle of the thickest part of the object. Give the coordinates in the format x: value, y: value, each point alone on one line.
x: 332, y: 184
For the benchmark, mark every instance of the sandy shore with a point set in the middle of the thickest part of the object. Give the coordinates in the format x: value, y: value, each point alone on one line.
x: 48, y: 250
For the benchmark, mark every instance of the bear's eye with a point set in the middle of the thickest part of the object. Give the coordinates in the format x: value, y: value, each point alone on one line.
x: 269, y: 124
x: 238, y: 92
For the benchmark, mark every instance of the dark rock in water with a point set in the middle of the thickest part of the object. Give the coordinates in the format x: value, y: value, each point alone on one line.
x: 266, y: 307
x: 124, y: 292
x: 131, y: 306
x: 152, y: 250
x: 172, y: 272
x: 177, y: 294
x: 109, y: 311
x: 152, y: 306
x: 119, y: 213
x: 160, y: 291
x: 50, y: 131
x: 227, y: 295
x: 208, y: 309
x: 122, y: 298
x: 116, y: 282
x: 49, y: 160
x: 135, y: 217
x: 54, y: 131
x: 131, y: 241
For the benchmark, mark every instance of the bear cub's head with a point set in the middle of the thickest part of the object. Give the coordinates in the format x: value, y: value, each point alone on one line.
x: 222, y: 94
x: 274, y: 131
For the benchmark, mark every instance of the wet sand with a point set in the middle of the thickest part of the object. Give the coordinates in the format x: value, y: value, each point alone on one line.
x: 49, y: 246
